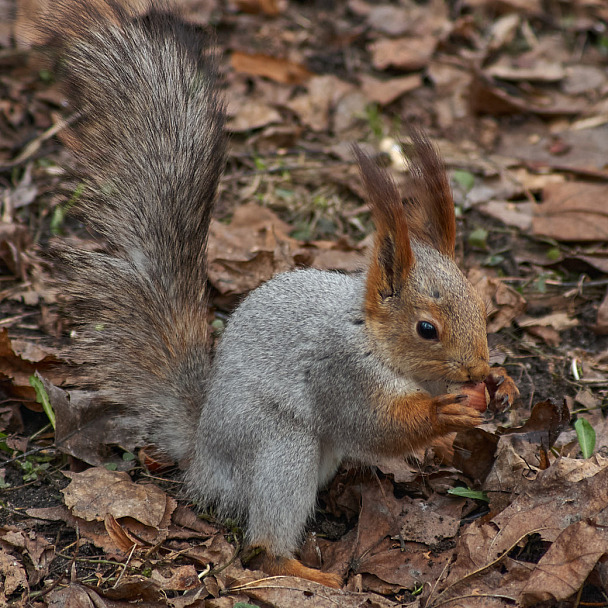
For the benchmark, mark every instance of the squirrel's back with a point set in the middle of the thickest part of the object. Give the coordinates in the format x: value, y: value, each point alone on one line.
x: 151, y: 145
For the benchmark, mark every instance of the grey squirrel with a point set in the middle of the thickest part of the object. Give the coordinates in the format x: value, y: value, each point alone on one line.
x: 314, y: 367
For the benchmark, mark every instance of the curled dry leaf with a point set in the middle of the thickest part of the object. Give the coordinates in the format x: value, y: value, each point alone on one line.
x: 493, y: 97
x: 547, y: 420
x: 38, y: 550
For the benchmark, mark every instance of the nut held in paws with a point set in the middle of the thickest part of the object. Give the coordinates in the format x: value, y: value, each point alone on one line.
x: 479, y: 397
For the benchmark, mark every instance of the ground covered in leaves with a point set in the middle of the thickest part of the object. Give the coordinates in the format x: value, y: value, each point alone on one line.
x: 515, y: 94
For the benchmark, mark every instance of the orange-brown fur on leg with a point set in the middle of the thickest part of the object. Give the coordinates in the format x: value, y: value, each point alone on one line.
x: 287, y: 566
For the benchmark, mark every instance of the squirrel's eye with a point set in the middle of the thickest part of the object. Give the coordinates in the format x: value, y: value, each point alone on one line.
x: 427, y: 331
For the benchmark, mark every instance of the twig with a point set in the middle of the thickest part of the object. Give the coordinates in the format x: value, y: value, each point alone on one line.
x: 33, y: 146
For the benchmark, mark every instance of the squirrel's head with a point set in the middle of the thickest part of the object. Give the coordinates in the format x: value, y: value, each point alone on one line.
x: 425, y: 319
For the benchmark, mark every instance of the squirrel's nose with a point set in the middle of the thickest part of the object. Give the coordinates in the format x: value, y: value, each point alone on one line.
x: 479, y: 372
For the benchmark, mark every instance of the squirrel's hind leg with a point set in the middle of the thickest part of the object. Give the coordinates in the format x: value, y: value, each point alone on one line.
x: 284, y: 492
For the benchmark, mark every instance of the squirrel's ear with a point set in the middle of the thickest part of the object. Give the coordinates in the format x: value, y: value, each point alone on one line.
x: 431, y: 217
x: 393, y: 256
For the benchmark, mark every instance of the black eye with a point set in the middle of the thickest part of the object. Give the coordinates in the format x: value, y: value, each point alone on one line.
x: 426, y: 330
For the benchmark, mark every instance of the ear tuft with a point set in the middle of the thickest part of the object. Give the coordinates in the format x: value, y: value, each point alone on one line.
x: 393, y: 255
x: 431, y: 216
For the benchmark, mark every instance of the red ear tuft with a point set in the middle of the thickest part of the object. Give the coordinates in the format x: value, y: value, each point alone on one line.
x: 431, y: 217
x: 393, y: 255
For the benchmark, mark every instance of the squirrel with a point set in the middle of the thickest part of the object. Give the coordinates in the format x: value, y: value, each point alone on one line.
x: 314, y: 367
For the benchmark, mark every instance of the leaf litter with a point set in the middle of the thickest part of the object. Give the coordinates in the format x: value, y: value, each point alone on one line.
x: 515, y: 94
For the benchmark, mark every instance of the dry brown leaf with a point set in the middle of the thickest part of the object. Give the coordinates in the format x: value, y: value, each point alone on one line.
x: 503, y: 31
x: 572, y: 211
x: 422, y: 524
x: 280, y: 70
x: 601, y: 326
x: 408, y: 54
x: 130, y: 590
x: 565, y: 566
x: 39, y: 551
x: 18, y: 368
x: 584, y: 79
x: 14, y: 575
x: 249, y: 251
x: 215, y: 550
x: 541, y: 70
x: 97, y: 492
x: 272, y: 8
x: 547, y: 420
x: 187, y: 518
x: 388, y: 19
x: 401, y: 470
x: 384, y: 92
x: 86, y: 427
x: 514, y: 459
x: 488, y: 96
x: 547, y: 328
x: 402, y: 565
x: 120, y: 536
x: 279, y: 592
x: 474, y: 453
x: 314, y: 106
x: 373, y: 549
x: 75, y: 595
x: 518, y: 214
x: 586, y: 149
x: 176, y: 578
x: 545, y: 505
x: 568, y: 491
x: 254, y: 114
x: 504, y: 304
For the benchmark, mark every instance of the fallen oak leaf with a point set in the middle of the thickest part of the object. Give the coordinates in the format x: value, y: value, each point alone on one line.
x: 567, y: 564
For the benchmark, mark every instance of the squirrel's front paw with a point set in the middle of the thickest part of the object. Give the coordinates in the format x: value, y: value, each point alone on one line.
x: 452, y: 413
x: 502, y: 389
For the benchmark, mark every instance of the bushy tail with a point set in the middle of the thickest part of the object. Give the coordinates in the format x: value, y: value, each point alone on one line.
x: 151, y: 142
